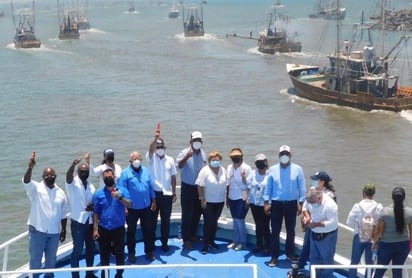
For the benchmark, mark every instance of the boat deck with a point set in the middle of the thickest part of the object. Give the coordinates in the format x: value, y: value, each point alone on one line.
x: 184, y: 263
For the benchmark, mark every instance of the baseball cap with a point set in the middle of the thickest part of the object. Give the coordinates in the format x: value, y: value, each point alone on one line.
x: 196, y: 135
x: 235, y: 152
x: 284, y: 148
x: 260, y: 156
x: 321, y: 175
x: 108, y: 152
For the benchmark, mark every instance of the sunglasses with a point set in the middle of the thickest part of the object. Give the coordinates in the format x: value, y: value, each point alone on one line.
x: 160, y: 147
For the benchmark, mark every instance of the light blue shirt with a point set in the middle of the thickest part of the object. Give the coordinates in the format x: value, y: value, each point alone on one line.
x: 140, y: 186
x: 285, y: 184
x: 192, y: 167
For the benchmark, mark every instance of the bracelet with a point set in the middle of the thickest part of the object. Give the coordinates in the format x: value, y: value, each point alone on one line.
x: 120, y: 198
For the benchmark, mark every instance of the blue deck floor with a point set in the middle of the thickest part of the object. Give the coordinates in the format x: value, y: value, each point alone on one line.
x: 178, y: 255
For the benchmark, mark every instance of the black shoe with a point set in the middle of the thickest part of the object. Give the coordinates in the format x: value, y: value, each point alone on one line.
x: 118, y: 275
x: 257, y: 249
x: 132, y: 258
x: 205, y: 250
x: 292, y: 258
x: 150, y: 256
x: 90, y: 275
x: 165, y: 248
x: 213, y: 245
x: 273, y: 262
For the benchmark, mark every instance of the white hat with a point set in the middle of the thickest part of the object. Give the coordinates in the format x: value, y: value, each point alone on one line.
x: 260, y: 156
x: 196, y: 135
x: 284, y: 148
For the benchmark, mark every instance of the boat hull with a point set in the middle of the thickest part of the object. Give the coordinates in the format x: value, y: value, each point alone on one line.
x: 69, y: 35
x: 27, y: 44
x: 283, y: 47
x: 313, y: 87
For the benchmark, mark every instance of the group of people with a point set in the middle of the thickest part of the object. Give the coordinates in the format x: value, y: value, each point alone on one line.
x: 140, y: 193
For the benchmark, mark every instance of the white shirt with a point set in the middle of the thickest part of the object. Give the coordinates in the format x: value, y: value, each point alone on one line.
x: 257, y: 184
x: 48, y: 207
x: 214, y: 185
x: 79, y: 198
x: 98, y: 172
x: 355, y: 215
x: 237, y: 189
x: 326, y: 212
x: 162, y: 171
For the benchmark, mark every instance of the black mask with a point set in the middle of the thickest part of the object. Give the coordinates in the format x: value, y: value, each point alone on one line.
x: 109, y: 181
x: 110, y: 159
x: 236, y: 159
x: 260, y: 164
x: 49, y: 180
x: 83, y: 175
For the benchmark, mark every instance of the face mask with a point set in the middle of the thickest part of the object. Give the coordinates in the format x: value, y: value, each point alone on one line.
x: 215, y: 163
x: 314, y: 183
x: 136, y: 163
x: 284, y: 159
x: 109, y: 181
x: 160, y: 152
x: 49, y: 180
x: 197, y: 145
x: 315, y: 205
x: 236, y: 159
x: 260, y: 164
x: 83, y: 175
x: 110, y: 159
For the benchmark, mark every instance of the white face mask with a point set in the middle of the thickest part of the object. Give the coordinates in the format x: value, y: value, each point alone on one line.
x: 284, y: 159
x: 197, y: 145
x: 136, y: 163
x: 160, y: 152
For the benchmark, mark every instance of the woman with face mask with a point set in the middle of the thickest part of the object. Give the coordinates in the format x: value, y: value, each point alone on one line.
x: 256, y: 182
x: 211, y: 183
x: 238, y: 171
x: 108, y: 162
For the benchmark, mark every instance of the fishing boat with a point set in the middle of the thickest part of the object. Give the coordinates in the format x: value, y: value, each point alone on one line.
x: 67, y: 23
x: 179, y: 262
x: 81, y: 16
x: 174, y: 12
x: 358, y: 78
x: 193, y: 22
x: 274, y: 39
x: 327, y: 9
x: 24, y: 35
x: 131, y: 8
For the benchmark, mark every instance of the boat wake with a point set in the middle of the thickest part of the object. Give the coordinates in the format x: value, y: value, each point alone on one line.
x: 406, y: 114
x: 93, y: 30
x: 134, y: 12
x: 206, y: 37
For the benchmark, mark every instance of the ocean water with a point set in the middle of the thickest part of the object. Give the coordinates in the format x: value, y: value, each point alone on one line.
x: 131, y: 71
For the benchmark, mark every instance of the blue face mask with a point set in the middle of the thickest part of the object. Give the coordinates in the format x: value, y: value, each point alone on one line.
x: 315, y: 183
x: 215, y: 163
x: 315, y: 205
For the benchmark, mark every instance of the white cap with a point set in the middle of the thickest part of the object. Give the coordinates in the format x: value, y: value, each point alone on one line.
x: 284, y: 148
x: 196, y: 135
x: 260, y: 156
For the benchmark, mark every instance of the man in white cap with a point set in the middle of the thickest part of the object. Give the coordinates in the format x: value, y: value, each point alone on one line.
x: 190, y: 161
x: 286, y: 192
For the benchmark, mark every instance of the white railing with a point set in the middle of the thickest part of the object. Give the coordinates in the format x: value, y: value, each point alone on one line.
x: 177, y: 268
x: 369, y: 268
x: 5, y: 246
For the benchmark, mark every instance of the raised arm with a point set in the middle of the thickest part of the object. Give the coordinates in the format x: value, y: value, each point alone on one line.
x: 70, y: 171
x: 28, y: 174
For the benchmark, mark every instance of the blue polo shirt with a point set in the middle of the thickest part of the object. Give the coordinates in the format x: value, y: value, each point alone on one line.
x: 139, y: 184
x: 112, y: 213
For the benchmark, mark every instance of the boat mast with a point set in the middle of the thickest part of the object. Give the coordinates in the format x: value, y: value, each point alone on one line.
x: 33, y: 16
x: 338, y: 72
x: 13, y: 14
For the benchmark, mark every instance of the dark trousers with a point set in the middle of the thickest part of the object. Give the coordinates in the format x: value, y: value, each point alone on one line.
x: 211, y: 215
x: 191, y: 210
x: 106, y: 238
x: 145, y: 216
x: 262, y: 221
x: 164, y: 207
x: 278, y: 211
x: 82, y: 234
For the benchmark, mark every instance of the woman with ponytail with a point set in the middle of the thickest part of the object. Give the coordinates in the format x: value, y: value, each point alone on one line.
x: 393, y: 234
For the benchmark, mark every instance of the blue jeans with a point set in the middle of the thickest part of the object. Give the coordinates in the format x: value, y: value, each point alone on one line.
x: 397, y: 252
x: 322, y: 252
x: 358, y: 247
x: 82, y: 234
x: 41, y: 242
x: 238, y: 210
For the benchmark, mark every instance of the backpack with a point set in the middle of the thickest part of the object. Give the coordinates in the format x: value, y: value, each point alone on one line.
x: 366, y: 225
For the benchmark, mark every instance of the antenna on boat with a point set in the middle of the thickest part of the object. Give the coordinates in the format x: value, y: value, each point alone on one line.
x: 33, y: 16
x: 13, y: 14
